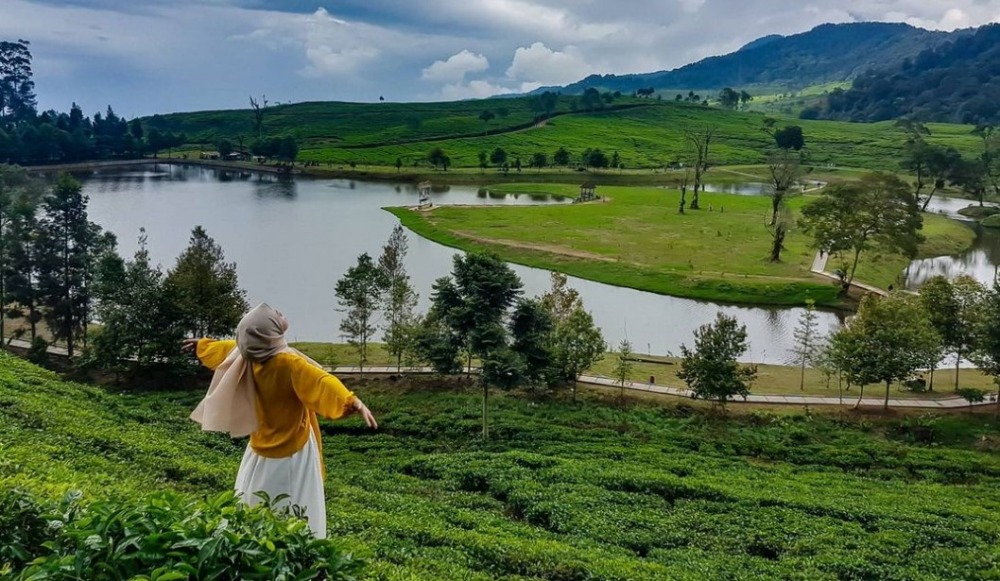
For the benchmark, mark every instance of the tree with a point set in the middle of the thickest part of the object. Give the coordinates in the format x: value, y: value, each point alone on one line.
x: 517, y: 163
x: 784, y: 168
x: 561, y: 157
x: 953, y: 309
x: 971, y: 395
x: 141, y: 329
x: 17, y: 89
x: 887, y: 341
x: 437, y: 157
x: 728, y: 98
x: 498, y: 157
x: 595, y: 158
x: 928, y: 163
x: 623, y: 365
x: 21, y: 291
x: 531, y: 327
x: 19, y: 198
x: 539, y: 160
x: 745, y: 98
x: 710, y: 369
x: 577, y: 344
x: 807, y: 341
x: 399, y: 164
x: 971, y: 176
x: 358, y: 293
x: 699, y: 141
x: 486, y: 116
x: 483, y: 161
x: 986, y: 353
x: 258, y: 108
x: 472, y: 304
x: 398, y: 297
x: 205, y: 288
x: 286, y: 149
x: 616, y: 160
x: 224, y: 147
x: 790, y: 137
x: 65, y: 258
x: 878, y: 211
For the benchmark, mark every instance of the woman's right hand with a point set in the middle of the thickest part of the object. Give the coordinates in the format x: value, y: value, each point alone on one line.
x: 360, y: 407
x: 189, y: 345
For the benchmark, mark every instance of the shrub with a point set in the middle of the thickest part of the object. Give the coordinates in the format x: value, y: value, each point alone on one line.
x: 168, y: 536
x: 992, y: 221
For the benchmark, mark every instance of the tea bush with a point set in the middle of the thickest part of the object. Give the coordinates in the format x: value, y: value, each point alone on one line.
x: 163, y: 538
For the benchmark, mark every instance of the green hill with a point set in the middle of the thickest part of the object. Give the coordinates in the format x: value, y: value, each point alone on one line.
x: 646, y: 133
x: 564, y: 491
x: 827, y: 53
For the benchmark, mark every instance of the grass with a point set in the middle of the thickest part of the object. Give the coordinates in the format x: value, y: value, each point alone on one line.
x: 562, y: 491
x: 647, y: 133
x: 639, y: 240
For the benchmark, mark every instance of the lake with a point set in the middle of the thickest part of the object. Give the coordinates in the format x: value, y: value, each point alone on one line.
x: 292, y: 240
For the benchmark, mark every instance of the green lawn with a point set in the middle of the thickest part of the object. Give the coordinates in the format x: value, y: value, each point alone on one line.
x: 562, y: 491
x: 638, y: 239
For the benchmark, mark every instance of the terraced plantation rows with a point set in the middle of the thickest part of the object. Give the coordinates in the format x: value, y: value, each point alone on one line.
x: 562, y: 492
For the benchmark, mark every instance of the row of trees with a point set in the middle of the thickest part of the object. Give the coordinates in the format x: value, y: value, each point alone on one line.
x: 477, y: 314
x: 59, y: 268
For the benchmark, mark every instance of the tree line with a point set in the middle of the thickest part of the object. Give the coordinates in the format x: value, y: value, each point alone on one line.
x: 59, y: 268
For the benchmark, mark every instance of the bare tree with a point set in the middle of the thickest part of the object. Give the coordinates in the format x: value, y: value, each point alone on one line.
x: 784, y: 167
x: 258, y: 112
x: 700, y: 141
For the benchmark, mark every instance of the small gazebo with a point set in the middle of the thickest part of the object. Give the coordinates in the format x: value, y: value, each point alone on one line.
x: 588, y: 192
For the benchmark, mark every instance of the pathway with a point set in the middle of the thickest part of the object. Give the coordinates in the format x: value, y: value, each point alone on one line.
x: 950, y: 403
x: 819, y: 267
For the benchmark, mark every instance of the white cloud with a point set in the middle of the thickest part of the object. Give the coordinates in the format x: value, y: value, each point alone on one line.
x: 456, y: 67
x: 538, y: 65
x: 472, y: 90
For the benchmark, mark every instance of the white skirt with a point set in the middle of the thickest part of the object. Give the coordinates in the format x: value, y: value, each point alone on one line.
x: 298, y: 476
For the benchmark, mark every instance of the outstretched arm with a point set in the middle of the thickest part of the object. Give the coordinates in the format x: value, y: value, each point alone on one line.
x: 210, y: 352
x: 325, y: 394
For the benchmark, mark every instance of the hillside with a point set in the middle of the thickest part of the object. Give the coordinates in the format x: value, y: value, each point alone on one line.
x: 563, y: 491
x: 827, y: 53
x: 648, y: 134
x: 958, y: 82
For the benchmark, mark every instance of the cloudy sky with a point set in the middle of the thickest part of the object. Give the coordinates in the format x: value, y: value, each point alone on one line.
x: 148, y: 56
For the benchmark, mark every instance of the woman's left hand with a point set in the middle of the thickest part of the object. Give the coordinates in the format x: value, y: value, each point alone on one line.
x: 360, y: 407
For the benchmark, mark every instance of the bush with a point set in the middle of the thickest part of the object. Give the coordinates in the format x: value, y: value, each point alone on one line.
x: 38, y: 353
x: 165, y: 537
x: 979, y: 212
x: 992, y: 221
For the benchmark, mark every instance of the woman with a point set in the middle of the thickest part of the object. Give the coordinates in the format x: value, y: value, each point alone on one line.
x: 267, y: 390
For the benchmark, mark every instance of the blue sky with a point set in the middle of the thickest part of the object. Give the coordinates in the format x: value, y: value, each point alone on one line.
x: 150, y: 56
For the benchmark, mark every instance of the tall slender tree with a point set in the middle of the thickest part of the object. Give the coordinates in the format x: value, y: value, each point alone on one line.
x: 398, y: 297
x: 19, y: 199
x: 699, y: 141
x: 807, y: 341
x: 69, y: 240
x: 359, y: 292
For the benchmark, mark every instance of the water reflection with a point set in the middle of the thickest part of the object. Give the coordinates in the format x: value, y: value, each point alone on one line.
x: 291, y: 254
x: 980, y: 261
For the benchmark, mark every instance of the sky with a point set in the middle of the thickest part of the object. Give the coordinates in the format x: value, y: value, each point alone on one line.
x: 159, y: 56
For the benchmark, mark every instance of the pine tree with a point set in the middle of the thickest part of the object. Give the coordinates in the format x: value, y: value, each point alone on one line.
x: 205, y: 288
x: 65, y: 259
x: 623, y: 365
x: 807, y: 341
x: 19, y: 198
x: 398, y: 297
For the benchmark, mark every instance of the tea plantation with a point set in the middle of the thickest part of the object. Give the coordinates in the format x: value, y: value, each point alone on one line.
x: 562, y: 492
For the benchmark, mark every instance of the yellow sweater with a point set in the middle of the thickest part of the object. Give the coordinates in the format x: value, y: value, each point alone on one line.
x: 290, y: 392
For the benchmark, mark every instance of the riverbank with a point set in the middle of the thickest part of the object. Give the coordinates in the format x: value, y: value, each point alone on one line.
x: 636, y: 238
x: 120, y: 163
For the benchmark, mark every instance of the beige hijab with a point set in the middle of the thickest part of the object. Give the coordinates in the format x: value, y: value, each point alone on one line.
x: 231, y: 402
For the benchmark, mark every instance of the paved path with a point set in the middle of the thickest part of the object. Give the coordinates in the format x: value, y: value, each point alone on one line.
x: 819, y: 267
x: 609, y: 383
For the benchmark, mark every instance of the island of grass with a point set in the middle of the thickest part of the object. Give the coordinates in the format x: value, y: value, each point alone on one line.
x: 635, y: 237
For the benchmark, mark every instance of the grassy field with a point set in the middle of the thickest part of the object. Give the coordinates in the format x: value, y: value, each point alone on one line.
x: 562, y: 491
x: 646, y: 133
x: 639, y: 240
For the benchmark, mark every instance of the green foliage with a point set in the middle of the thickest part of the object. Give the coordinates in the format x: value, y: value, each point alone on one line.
x: 808, y: 343
x: 971, y: 395
x: 359, y: 294
x: 205, y: 288
x: 790, y: 138
x: 141, y: 324
x: 531, y: 328
x: 576, y: 342
x: 398, y: 297
x: 437, y: 157
x: 19, y: 236
x: 167, y: 537
x: 623, y: 364
x: 888, y: 340
x: 878, y: 211
x: 710, y: 369
x: 991, y: 221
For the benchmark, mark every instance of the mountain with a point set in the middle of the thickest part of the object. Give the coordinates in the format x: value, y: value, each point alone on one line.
x: 958, y: 82
x: 827, y: 53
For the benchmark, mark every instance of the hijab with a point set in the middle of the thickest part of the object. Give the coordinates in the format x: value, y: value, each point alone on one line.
x: 231, y: 402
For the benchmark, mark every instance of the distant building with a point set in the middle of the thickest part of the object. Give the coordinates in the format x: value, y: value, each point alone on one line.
x: 210, y: 155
